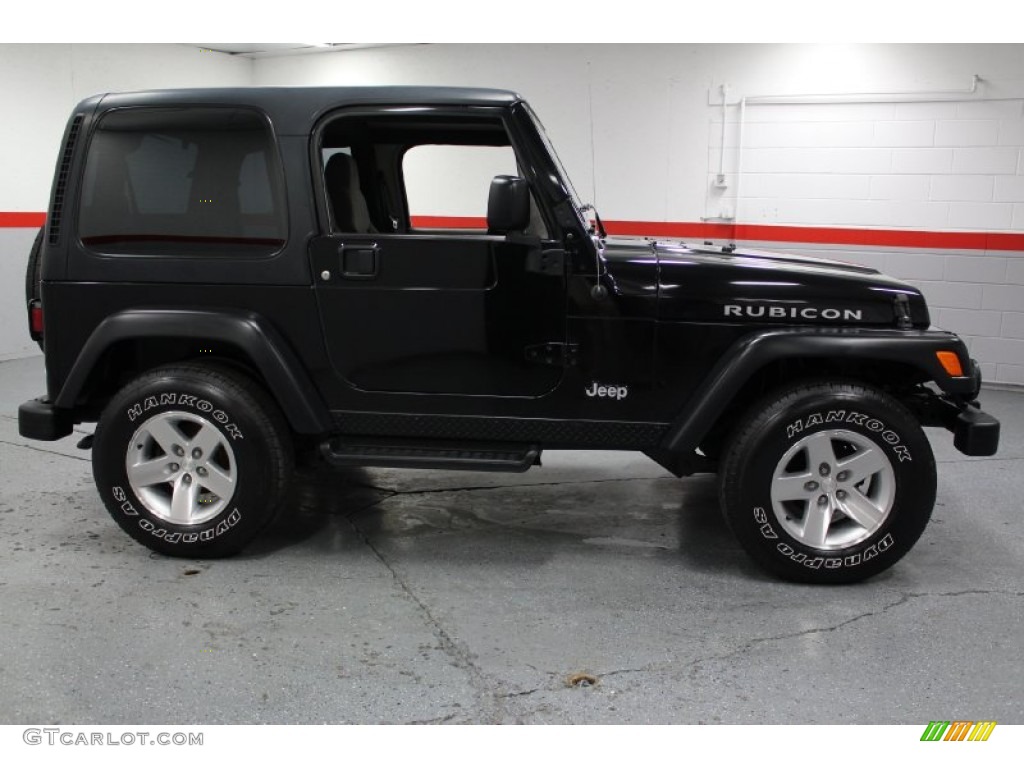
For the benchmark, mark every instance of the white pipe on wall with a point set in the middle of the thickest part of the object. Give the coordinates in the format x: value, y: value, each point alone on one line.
x: 955, y: 94
x: 903, y: 97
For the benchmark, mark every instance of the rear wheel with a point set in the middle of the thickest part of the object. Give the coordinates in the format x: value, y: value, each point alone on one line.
x: 192, y: 460
x: 828, y: 482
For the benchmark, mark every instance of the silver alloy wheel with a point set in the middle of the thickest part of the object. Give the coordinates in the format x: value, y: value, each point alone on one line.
x: 181, y: 467
x: 833, y: 489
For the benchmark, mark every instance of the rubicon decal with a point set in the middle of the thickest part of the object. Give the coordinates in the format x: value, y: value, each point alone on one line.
x: 958, y: 730
x: 775, y: 312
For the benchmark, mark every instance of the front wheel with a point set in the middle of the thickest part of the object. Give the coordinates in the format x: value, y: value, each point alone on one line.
x: 192, y: 460
x: 828, y: 482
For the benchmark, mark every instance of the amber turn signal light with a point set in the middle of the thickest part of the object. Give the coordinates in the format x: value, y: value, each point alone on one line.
x: 950, y: 363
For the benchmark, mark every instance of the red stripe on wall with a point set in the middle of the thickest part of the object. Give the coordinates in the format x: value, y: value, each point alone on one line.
x: 893, y: 238
x: 31, y: 220
x: 771, y: 233
x: 448, y: 222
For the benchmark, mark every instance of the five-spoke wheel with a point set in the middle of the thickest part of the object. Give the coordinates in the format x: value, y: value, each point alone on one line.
x: 182, y: 467
x: 833, y: 489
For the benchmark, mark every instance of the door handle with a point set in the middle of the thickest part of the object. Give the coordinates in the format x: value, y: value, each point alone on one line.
x: 359, y: 262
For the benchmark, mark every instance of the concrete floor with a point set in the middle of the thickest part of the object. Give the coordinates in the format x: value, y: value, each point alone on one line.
x: 410, y: 596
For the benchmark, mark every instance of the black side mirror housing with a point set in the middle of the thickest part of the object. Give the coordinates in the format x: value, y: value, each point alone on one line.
x: 508, y: 205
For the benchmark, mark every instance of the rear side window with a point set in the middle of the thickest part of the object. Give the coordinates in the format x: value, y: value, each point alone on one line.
x: 200, y: 181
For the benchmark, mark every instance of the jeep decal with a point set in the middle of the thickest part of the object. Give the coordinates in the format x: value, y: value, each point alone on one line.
x: 609, y: 391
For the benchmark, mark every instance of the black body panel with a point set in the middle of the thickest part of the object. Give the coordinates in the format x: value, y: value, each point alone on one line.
x: 437, y: 315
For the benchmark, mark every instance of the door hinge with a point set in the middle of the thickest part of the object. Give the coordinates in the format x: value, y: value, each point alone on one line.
x: 551, y: 262
x: 553, y: 353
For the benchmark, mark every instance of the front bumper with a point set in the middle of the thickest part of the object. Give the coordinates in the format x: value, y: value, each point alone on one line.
x: 975, y: 433
x: 39, y: 420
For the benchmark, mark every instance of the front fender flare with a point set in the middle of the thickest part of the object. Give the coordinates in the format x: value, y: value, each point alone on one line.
x: 266, y: 348
x: 752, y: 352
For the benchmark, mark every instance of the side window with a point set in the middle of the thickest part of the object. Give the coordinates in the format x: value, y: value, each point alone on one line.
x: 202, y: 181
x: 396, y: 170
x: 446, y: 186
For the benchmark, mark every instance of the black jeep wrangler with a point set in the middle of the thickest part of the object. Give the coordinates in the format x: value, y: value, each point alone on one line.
x: 230, y: 277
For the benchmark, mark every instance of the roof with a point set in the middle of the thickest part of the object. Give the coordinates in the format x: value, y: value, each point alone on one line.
x: 293, y: 109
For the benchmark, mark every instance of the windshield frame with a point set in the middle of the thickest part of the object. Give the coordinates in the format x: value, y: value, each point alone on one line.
x: 574, y: 197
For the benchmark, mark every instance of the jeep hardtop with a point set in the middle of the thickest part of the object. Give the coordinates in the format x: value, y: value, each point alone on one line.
x: 405, y: 277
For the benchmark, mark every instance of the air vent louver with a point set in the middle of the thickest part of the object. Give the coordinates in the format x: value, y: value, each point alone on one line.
x: 62, y: 180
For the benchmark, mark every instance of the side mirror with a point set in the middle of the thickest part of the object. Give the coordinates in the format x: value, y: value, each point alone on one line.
x: 508, y: 205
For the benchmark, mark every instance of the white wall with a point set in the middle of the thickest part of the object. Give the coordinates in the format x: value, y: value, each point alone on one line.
x: 639, y: 129
x: 39, y: 85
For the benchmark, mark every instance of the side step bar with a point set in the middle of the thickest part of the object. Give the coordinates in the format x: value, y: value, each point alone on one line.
x: 430, y: 454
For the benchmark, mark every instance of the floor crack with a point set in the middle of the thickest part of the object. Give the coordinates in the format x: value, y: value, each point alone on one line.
x: 433, y: 721
x: 749, y: 644
x: 43, y: 450
x: 612, y: 673
x: 517, y: 694
x: 494, y: 711
x: 904, y: 599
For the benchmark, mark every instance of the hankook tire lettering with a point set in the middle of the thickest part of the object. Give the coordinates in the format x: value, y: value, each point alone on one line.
x: 874, y: 425
x: 204, y: 406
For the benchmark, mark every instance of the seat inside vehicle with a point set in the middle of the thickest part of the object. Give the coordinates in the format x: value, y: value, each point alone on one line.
x: 348, y: 204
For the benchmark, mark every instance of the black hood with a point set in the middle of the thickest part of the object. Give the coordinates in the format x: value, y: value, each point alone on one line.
x: 741, y: 285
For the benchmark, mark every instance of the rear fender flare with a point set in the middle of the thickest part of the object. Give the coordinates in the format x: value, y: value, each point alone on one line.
x: 266, y: 348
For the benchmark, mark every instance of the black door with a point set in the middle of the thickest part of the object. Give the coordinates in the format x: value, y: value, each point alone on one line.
x: 447, y: 314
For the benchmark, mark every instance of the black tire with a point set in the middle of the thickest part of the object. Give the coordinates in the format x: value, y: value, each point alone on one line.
x: 33, y: 273
x: 822, y: 544
x: 251, y: 445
